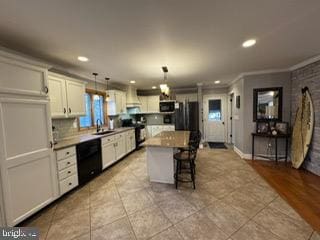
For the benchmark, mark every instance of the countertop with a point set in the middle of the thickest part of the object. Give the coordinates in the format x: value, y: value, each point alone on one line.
x: 169, y: 139
x: 68, y: 142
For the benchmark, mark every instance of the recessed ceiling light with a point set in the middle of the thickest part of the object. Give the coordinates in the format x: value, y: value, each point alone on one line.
x: 217, y: 82
x: 83, y: 59
x: 132, y: 81
x: 249, y: 43
x: 154, y: 87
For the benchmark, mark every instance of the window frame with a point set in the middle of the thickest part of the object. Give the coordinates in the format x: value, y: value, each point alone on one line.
x: 91, y: 93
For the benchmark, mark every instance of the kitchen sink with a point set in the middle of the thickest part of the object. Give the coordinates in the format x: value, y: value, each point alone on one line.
x: 103, y: 132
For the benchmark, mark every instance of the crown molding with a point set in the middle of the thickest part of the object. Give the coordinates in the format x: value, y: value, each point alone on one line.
x: 305, y: 63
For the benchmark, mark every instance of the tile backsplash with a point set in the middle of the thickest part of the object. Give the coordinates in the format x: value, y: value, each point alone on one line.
x: 67, y: 127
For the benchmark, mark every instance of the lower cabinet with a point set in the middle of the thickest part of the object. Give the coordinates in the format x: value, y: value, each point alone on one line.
x: 108, y: 154
x: 120, y: 145
x: 67, y: 169
x: 116, y: 146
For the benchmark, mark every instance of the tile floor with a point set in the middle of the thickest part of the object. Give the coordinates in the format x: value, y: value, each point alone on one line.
x: 231, y: 202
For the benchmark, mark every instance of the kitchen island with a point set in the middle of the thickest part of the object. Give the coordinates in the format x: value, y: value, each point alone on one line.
x: 160, y: 150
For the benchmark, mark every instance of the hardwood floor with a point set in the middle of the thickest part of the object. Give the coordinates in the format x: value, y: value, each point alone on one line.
x: 300, y: 188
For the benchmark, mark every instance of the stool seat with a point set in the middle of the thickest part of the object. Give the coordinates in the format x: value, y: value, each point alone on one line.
x: 184, y: 156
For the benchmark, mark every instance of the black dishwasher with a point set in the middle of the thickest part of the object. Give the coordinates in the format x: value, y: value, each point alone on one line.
x: 89, y: 160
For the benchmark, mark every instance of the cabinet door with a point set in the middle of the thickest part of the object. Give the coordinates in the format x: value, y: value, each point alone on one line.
x: 144, y: 104
x: 128, y: 143
x: 76, y: 98
x: 120, y: 147
x: 108, y: 154
x: 133, y: 141
x: 153, y: 103
x: 118, y: 102
x: 28, y: 170
x: 22, y: 78
x: 124, y: 102
x: 58, y: 97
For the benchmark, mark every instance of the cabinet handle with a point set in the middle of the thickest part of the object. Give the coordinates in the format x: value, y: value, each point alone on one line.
x: 46, y: 89
x: 64, y: 110
x: 51, y: 144
x: 69, y: 172
x: 70, y: 183
x: 68, y: 163
x: 69, y: 110
x: 67, y: 153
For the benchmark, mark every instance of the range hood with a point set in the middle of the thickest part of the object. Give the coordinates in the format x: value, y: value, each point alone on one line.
x: 132, y: 97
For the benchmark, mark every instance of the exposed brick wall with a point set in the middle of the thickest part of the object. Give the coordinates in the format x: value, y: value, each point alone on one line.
x: 309, y: 76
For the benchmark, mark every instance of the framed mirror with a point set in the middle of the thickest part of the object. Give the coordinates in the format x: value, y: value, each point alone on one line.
x: 267, y: 104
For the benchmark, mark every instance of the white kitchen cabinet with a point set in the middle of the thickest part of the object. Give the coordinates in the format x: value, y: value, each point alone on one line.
x: 149, y: 104
x: 153, y: 103
x: 116, y: 103
x: 144, y: 104
x: 28, y: 170
x: 108, y: 154
x: 67, y: 96
x: 76, y: 98
x: 153, y: 130
x: 58, y: 97
x: 130, y: 141
x: 21, y: 76
x: 120, y: 142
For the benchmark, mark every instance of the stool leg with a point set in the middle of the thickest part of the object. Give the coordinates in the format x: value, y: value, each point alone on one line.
x: 192, y: 174
x: 176, y: 174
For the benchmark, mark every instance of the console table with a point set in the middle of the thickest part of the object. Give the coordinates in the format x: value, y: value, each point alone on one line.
x: 275, y: 137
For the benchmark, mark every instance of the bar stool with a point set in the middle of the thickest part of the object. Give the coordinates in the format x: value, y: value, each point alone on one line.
x: 186, y: 157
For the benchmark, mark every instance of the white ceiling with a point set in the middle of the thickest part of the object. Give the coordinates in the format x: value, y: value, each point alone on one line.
x: 199, y: 40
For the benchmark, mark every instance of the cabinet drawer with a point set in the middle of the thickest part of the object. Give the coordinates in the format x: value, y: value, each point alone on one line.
x: 68, y: 184
x: 67, y: 152
x: 68, y: 172
x: 107, y: 140
x: 120, y: 135
x: 67, y: 162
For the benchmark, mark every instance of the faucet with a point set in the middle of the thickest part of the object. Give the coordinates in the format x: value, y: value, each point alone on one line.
x: 99, y: 126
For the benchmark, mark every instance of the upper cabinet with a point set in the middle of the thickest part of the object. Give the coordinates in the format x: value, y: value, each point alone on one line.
x: 149, y: 104
x: 116, y: 103
x: 67, y: 96
x: 22, y: 76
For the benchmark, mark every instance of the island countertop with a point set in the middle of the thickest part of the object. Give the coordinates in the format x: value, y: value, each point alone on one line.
x: 169, y: 139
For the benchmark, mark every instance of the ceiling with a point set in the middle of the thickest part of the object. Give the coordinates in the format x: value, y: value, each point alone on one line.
x: 199, y: 41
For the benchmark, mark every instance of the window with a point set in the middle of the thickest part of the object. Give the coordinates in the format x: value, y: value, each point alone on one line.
x: 94, y: 110
x: 215, y: 110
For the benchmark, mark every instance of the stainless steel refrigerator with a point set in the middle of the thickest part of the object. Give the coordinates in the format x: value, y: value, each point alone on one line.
x: 187, y: 116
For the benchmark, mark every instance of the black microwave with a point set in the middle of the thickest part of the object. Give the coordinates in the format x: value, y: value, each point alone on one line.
x: 167, y: 106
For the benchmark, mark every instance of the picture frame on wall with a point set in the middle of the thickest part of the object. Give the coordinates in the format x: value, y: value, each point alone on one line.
x: 262, y: 127
x: 282, y: 127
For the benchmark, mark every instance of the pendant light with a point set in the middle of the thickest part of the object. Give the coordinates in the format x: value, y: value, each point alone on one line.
x: 107, y: 95
x: 164, y: 88
x: 95, y: 96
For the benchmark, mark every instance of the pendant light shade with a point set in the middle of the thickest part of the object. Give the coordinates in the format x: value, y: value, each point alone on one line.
x: 107, y: 95
x: 95, y: 96
x: 164, y: 88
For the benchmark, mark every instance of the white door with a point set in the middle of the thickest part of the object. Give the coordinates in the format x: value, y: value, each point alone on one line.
x: 58, y: 97
x: 28, y: 170
x: 108, y: 154
x: 214, y: 116
x: 76, y: 98
x: 120, y: 147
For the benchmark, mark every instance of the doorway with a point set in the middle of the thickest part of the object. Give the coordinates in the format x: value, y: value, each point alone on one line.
x: 214, y: 117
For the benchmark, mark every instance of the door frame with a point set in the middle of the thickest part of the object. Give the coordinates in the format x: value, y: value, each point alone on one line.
x: 224, y: 97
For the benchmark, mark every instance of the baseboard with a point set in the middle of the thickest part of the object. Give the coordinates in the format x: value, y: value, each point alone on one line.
x: 249, y: 155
